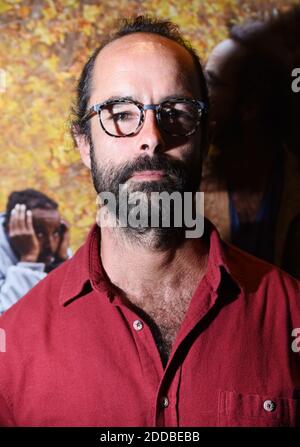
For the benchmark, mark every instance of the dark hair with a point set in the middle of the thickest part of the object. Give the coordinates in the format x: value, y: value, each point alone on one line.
x: 140, y: 24
x: 31, y: 198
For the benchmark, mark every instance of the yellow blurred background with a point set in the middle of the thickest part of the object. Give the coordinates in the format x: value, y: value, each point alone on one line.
x: 43, y: 46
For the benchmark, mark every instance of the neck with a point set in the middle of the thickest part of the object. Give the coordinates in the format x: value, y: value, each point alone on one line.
x: 144, y: 267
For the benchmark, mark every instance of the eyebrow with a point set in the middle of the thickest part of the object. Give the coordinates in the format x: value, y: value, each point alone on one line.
x: 117, y: 98
x: 132, y: 98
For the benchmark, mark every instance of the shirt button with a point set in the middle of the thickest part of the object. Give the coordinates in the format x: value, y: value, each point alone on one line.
x: 164, y: 402
x: 269, y: 405
x: 137, y: 325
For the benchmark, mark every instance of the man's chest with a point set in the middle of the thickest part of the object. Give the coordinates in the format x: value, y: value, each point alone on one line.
x: 164, y: 312
x: 102, y: 374
x: 97, y: 367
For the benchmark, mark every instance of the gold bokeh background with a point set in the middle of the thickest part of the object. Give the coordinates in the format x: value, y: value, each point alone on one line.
x: 43, y: 47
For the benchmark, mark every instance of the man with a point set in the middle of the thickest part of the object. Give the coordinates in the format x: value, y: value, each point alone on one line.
x: 141, y: 328
x: 249, y: 80
x: 33, y: 240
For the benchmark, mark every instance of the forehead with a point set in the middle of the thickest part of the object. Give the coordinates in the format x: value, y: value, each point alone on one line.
x: 152, y: 61
x: 45, y: 216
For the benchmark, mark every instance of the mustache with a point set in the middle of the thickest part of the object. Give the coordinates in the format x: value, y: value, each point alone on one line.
x: 178, y: 174
x: 172, y: 168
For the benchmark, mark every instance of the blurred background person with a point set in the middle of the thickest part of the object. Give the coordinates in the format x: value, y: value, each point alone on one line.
x: 287, y: 27
x: 252, y: 180
x: 34, y: 239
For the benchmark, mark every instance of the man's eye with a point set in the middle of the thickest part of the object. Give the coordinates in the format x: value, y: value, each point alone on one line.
x: 123, y: 116
x: 171, y: 113
x: 176, y: 114
x: 39, y: 235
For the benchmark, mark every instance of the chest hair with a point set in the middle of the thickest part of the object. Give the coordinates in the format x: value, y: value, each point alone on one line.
x: 164, y: 312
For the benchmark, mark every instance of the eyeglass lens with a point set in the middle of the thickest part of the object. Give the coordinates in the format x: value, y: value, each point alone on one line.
x: 120, y: 118
x: 176, y: 118
x: 179, y: 118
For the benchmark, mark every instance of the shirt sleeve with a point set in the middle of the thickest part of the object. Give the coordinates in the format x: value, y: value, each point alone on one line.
x: 19, y: 280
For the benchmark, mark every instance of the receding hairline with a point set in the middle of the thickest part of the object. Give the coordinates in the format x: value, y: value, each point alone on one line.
x: 170, y: 45
x: 143, y: 35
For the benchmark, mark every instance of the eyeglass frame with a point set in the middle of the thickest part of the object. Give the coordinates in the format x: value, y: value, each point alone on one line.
x: 96, y: 110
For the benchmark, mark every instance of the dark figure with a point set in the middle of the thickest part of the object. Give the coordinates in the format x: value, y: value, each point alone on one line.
x: 252, y: 180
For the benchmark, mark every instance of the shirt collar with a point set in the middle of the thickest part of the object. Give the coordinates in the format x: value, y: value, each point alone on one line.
x: 84, y: 271
x: 219, y: 261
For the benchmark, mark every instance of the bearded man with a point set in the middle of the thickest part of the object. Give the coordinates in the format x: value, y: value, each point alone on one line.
x: 145, y: 326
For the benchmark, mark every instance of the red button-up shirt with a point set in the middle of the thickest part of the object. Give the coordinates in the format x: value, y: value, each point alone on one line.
x: 76, y: 355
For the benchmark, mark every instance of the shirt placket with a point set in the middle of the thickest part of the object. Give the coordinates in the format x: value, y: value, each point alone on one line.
x: 149, y: 356
x: 167, y: 410
x: 163, y: 385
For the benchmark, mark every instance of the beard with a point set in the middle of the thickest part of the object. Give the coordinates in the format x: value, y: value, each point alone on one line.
x: 179, y: 177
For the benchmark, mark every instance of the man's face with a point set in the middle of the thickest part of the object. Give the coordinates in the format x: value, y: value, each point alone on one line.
x: 148, y: 69
x: 47, y: 227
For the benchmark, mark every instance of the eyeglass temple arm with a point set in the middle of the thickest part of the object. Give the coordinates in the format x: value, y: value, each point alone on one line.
x: 203, y: 106
x: 91, y: 112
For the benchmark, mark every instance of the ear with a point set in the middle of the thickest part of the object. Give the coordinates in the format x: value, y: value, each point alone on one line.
x: 83, y: 147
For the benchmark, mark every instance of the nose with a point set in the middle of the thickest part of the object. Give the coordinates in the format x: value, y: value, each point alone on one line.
x: 150, y: 137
